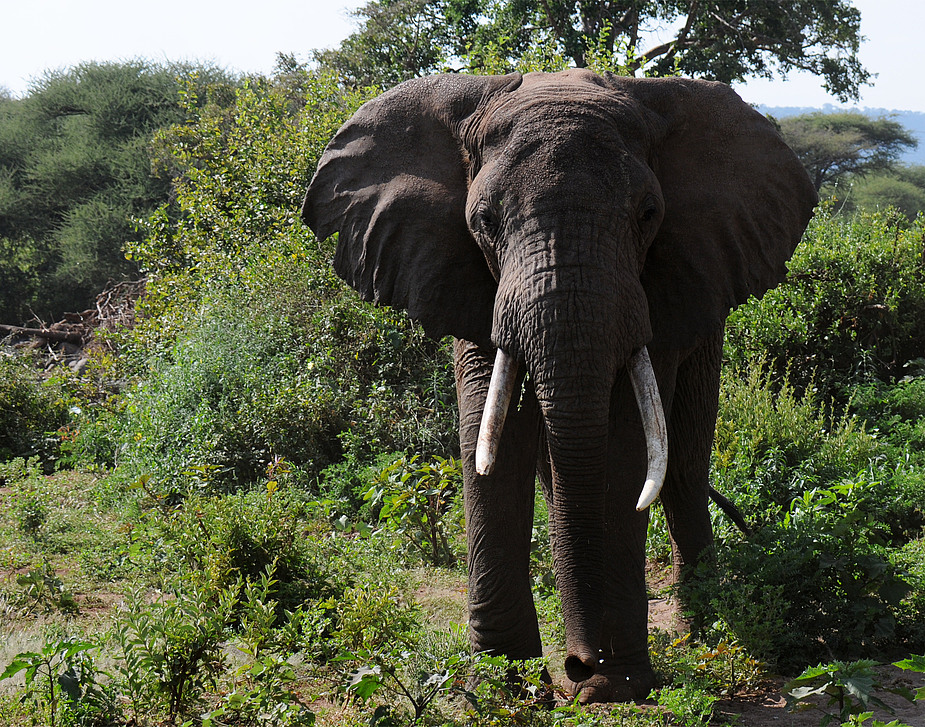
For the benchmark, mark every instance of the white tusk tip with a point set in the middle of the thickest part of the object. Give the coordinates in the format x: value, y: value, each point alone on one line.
x: 650, y: 491
x: 484, y: 462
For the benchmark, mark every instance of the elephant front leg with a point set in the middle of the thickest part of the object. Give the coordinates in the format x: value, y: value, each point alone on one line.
x: 499, y: 514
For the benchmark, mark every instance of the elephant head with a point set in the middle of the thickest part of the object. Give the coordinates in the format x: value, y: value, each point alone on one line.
x: 567, y: 220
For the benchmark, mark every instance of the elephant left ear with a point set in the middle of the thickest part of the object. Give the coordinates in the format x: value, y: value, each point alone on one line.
x: 737, y: 201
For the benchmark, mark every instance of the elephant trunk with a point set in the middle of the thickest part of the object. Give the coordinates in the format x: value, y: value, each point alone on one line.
x: 574, y: 354
x: 577, y: 436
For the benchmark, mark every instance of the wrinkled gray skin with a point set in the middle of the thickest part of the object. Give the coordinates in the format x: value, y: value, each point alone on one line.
x: 569, y: 219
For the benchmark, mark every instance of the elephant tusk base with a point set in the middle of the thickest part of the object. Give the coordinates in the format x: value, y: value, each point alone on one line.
x: 500, y: 389
x: 653, y: 421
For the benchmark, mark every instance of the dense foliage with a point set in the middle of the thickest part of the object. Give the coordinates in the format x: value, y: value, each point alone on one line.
x: 75, y: 171
x: 851, y: 311
x: 31, y: 410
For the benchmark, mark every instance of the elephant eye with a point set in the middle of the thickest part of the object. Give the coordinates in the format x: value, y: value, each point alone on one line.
x: 648, y: 210
x: 487, y: 220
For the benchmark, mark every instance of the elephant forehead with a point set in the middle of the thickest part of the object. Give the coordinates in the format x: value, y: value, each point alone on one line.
x: 564, y: 109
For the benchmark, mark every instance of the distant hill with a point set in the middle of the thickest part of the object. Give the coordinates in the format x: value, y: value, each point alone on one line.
x: 914, y: 121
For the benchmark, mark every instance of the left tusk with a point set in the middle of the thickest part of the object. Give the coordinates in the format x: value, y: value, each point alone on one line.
x: 653, y: 422
x: 500, y: 389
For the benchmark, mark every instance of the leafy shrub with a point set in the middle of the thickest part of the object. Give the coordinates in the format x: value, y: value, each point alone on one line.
x: 231, y: 396
x: 815, y: 579
x: 61, y: 682
x: 219, y: 540
x: 172, y: 647
x: 851, y: 687
x: 314, y: 387
x: 414, y: 500
x: 371, y: 617
x: 691, y: 705
x: 772, y: 444
x: 816, y: 584
x: 32, y: 408
x: 240, y: 175
x: 725, y: 668
x: 896, y: 412
x: 852, y: 309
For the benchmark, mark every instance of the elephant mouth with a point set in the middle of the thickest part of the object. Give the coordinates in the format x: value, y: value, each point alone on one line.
x: 645, y: 388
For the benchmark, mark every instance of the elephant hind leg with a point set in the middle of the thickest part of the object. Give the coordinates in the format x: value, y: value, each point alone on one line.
x: 690, y: 435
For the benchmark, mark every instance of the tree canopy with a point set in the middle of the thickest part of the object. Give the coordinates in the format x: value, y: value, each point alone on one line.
x: 832, y: 146
x: 725, y: 40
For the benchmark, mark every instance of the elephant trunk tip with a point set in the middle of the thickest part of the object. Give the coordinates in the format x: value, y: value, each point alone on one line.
x: 580, y: 667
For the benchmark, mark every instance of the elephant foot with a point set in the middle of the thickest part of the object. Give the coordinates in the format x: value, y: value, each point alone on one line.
x: 614, y: 684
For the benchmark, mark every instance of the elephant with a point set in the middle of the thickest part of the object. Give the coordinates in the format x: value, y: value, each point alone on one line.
x: 582, y: 237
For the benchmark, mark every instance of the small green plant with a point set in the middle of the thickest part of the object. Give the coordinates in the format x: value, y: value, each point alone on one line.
x: 725, y: 668
x: 414, y: 670
x: 261, y: 693
x: 43, y: 590
x: 414, y: 498
x: 689, y: 704
x: 172, y: 647
x: 370, y: 617
x: 501, y: 692
x: 58, y: 681
x: 30, y: 500
x: 385, y: 672
x: 847, y: 688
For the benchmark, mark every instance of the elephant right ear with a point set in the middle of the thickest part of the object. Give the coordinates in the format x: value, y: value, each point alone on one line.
x: 393, y: 183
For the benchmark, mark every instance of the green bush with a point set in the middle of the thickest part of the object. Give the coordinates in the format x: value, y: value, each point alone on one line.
x: 219, y: 540
x: 772, y: 444
x: 415, y: 500
x: 828, y: 500
x: 800, y: 591
x: 249, y: 348
x: 851, y: 311
x: 32, y: 408
x: 232, y: 396
x: 237, y: 392
x: 896, y: 412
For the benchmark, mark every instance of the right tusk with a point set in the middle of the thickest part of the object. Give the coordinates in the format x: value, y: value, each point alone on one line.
x: 503, y: 379
x: 653, y: 422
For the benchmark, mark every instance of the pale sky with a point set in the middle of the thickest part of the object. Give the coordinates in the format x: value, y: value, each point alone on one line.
x: 46, y: 34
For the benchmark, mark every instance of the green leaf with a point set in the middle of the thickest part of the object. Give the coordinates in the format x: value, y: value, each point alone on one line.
x: 913, y: 663
x: 18, y: 664
x: 365, y: 681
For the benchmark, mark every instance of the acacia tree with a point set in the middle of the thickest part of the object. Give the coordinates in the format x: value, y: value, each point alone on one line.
x: 832, y: 146
x: 723, y: 40
x: 75, y: 170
